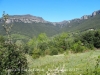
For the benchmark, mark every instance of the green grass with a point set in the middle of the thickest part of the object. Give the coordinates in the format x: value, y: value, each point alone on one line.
x: 71, y: 64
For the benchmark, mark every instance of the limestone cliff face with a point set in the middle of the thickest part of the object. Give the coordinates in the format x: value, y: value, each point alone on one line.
x: 84, y: 17
x: 30, y: 19
x: 88, y: 16
x: 0, y: 20
x: 96, y: 13
x: 25, y: 19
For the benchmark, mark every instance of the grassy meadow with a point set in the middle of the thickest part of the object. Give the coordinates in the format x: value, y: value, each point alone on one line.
x: 65, y: 64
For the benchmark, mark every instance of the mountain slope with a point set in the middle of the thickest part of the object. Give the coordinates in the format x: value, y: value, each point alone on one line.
x: 32, y: 25
x: 91, y: 23
x: 32, y: 29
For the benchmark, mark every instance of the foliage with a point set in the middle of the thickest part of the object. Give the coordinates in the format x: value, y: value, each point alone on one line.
x: 54, y: 51
x: 42, y: 38
x: 97, y: 39
x: 36, y: 53
x: 60, y: 42
x: 88, y: 39
x: 91, y: 39
x: 12, y: 58
x: 20, y: 37
x: 78, y: 47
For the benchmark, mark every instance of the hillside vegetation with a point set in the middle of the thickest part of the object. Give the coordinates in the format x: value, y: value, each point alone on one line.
x: 91, y: 23
x: 44, y: 49
x: 34, y: 29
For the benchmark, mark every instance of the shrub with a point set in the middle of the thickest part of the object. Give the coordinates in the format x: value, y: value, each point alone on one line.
x: 97, y: 39
x: 88, y: 39
x: 77, y: 47
x: 54, y: 51
x: 36, y: 53
x: 47, y: 52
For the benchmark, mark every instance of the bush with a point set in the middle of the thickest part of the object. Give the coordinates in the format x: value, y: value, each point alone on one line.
x: 54, y: 51
x: 13, y: 58
x: 47, y: 52
x: 36, y: 53
x: 97, y: 39
x: 91, y: 39
x: 77, y: 47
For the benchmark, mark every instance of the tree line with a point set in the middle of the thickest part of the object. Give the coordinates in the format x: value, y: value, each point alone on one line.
x: 63, y: 43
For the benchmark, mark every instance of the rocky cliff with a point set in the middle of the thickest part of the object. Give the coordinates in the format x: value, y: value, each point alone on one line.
x: 30, y: 19
x: 25, y: 19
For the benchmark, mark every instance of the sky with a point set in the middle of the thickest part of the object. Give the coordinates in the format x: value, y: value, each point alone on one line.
x: 50, y: 10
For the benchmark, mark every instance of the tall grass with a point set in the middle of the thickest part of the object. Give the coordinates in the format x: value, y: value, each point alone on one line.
x: 71, y: 64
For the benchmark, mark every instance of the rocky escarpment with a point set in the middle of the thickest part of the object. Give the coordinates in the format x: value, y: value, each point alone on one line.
x: 30, y: 19
x: 25, y: 19
x: 96, y: 13
x: 88, y: 16
x: 84, y: 17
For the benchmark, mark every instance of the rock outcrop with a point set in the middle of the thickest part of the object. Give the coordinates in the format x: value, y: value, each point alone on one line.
x: 25, y: 19
x: 30, y: 19
x: 96, y: 13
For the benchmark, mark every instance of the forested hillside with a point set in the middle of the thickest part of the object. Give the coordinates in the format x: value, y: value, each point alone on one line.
x: 30, y: 26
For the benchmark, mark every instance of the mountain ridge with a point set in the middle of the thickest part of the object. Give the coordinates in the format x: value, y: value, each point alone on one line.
x: 32, y: 26
x: 30, y: 18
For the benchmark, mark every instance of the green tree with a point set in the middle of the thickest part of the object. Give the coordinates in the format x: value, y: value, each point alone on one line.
x: 60, y: 42
x: 32, y: 44
x: 36, y: 53
x: 54, y: 51
x: 78, y: 47
x: 13, y: 61
x: 97, y: 39
x: 88, y: 39
x: 42, y: 37
x: 38, y: 45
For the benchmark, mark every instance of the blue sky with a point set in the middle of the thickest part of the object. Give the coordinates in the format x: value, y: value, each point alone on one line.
x: 50, y: 10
